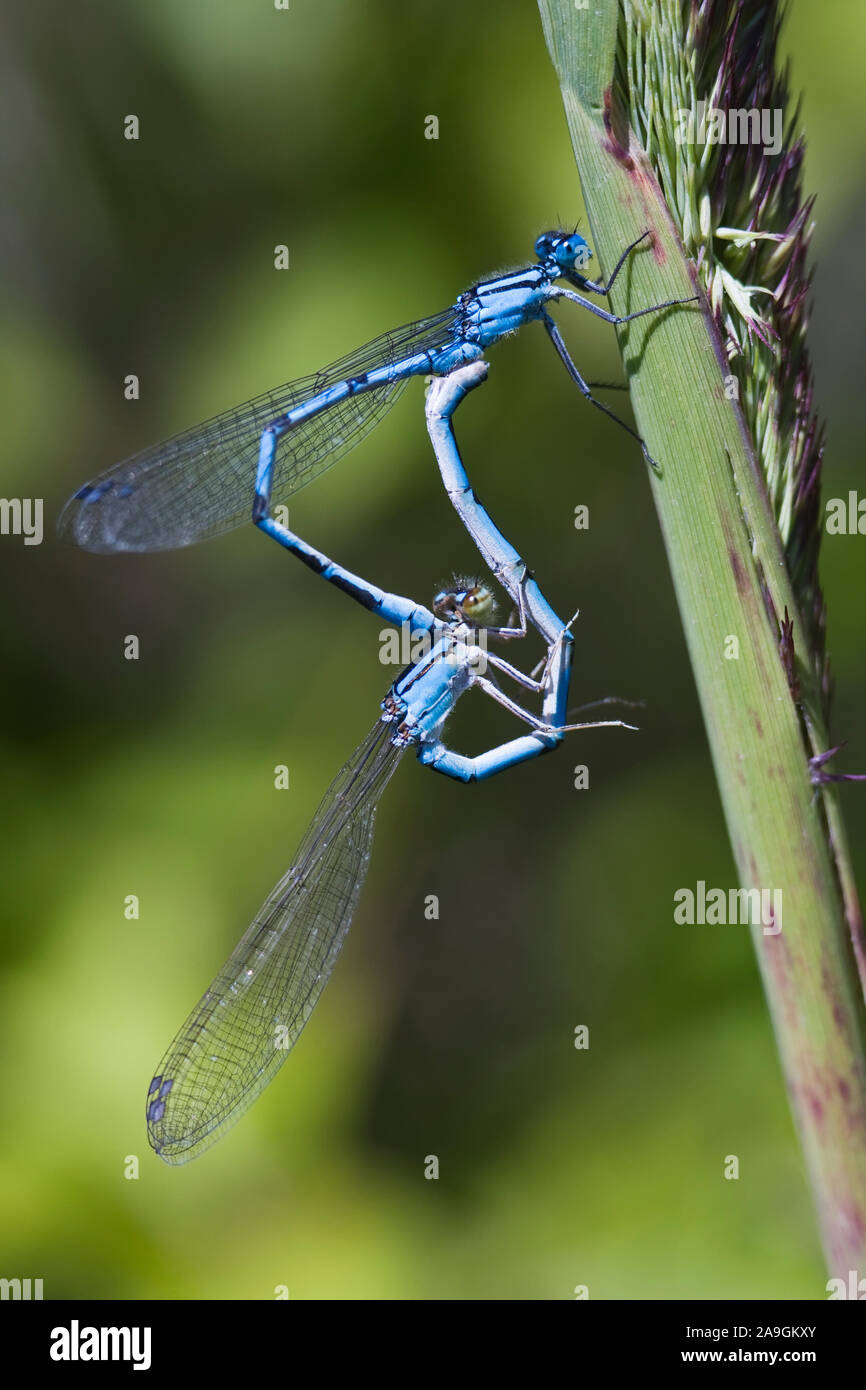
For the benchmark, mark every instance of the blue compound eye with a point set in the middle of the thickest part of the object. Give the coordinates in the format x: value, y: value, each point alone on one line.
x: 568, y: 249
x: 575, y: 252
x: 583, y: 253
x: 546, y: 244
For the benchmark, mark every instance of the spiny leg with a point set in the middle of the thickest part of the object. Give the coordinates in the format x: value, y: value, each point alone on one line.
x: 495, y: 693
x: 529, y: 682
x: 545, y: 662
x: 608, y: 700
x: 559, y: 343
x: 540, y: 725
x: 605, y: 289
x: 597, y: 724
x: 557, y: 292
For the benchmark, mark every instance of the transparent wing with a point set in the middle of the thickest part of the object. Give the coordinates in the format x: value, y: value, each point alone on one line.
x: 201, y: 483
x: 242, y: 1030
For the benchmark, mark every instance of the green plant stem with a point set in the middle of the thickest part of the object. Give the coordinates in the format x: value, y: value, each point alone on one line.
x: 730, y: 579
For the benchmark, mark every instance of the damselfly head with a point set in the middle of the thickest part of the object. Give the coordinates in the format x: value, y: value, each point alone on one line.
x: 465, y: 601
x: 568, y: 250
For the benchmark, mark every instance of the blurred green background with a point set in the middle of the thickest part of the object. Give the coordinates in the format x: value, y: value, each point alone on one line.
x: 455, y: 1038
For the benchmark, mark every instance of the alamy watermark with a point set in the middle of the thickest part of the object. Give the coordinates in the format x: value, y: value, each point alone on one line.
x: 853, y: 1288
x: 77, y: 1343
x: 24, y: 1290
x: 22, y: 516
x: 404, y: 647
x: 704, y: 124
x: 703, y: 906
x: 846, y: 516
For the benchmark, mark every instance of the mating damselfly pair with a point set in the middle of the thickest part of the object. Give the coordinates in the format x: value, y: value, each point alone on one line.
x: 236, y: 467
